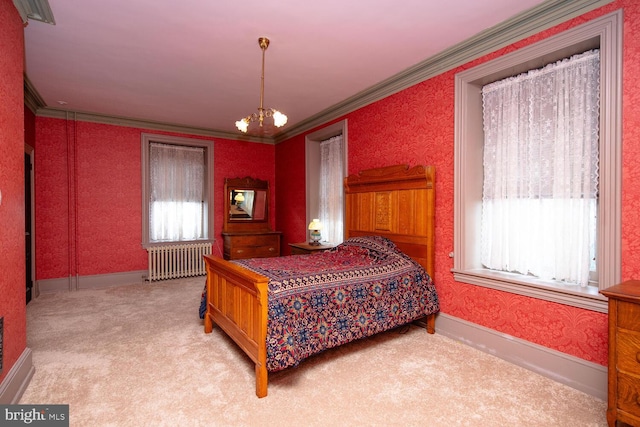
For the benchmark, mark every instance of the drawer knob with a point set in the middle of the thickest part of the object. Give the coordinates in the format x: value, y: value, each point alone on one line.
x: 272, y: 249
x: 240, y: 251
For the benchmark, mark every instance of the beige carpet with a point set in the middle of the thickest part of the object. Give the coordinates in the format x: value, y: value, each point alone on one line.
x: 137, y: 356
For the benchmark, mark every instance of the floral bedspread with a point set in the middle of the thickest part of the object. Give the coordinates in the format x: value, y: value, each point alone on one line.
x: 361, y: 287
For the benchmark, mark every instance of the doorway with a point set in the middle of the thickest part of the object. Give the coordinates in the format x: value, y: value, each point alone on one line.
x: 28, y: 228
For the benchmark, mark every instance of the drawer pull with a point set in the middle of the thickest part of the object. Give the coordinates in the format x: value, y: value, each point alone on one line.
x: 240, y: 251
x: 272, y: 249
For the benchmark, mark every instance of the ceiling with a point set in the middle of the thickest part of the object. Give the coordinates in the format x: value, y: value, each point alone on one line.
x: 197, y: 63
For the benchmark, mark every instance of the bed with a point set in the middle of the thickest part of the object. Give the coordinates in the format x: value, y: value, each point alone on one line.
x: 280, y: 311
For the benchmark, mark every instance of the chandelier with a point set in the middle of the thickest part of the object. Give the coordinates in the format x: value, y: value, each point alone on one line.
x: 278, y: 118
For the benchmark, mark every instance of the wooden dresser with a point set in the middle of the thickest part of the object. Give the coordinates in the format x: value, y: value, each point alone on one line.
x: 251, y: 244
x: 246, y: 231
x: 624, y: 353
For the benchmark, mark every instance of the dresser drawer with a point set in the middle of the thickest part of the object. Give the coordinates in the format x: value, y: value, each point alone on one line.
x: 628, y: 315
x: 251, y: 245
x: 628, y: 353
x: 255, y: 240
x: 628, y: 394
x: 254, y: 252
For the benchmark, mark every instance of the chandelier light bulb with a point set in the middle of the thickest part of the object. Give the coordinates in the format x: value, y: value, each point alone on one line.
x: 279, y: 119
x: 242, y: 125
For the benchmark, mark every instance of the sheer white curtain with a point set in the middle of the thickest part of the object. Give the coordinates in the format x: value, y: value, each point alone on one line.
x: 331, y: 189
x: 541, y: 171
x: 176, y: 207
x: 247, y: 205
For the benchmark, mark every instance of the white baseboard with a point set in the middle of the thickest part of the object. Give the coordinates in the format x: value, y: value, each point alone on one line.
x: 577, y: 373
x: 15, y: 383
x: 97, y: 281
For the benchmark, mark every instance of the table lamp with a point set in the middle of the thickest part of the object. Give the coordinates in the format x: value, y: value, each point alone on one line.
x: 314, y: 227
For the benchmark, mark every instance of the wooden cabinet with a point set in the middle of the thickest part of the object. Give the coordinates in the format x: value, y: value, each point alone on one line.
x: 305, y: 248
x: 239, y: 245
x: 624, y: 353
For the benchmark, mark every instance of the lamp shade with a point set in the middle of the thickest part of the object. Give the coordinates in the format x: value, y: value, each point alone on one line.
x: 239, y: 197
x: 315, y: 224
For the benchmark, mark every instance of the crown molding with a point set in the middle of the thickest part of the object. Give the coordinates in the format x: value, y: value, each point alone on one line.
x: 145, y: 124
x: 32, y: 98
x: 36, y: 104
x: 528, y: 23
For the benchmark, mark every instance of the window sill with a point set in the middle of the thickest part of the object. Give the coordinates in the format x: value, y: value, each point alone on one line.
x: 576, y: 296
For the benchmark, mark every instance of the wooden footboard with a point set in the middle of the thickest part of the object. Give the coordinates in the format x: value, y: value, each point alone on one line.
x: 237, y: 303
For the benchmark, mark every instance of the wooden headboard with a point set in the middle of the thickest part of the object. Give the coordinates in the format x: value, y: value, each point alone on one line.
x: 396, y: 202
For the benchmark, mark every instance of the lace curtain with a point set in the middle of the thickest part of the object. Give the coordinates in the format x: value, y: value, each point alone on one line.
x: 331, y: 189
x: 541, y: 171
x: 176, y: 205
x: 247, y: 205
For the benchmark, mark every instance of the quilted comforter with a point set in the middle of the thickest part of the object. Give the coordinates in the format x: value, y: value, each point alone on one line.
x: 361, y: 287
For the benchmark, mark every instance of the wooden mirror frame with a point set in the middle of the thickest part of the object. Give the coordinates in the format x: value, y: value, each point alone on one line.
x: 232, y: 185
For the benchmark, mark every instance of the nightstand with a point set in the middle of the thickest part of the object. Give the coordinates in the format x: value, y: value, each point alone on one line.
x: 624, y: 352
x: 305, y: 248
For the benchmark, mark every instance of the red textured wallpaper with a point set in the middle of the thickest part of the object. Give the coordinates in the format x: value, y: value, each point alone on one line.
x: 12, y: 244
x: 51, y: 200
x: 630, y: 143
x: 416, y: 126
x: 88, y: 194
x: 290, y: 179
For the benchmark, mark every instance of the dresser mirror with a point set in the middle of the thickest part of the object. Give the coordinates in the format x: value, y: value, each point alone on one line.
x: 246, y: 204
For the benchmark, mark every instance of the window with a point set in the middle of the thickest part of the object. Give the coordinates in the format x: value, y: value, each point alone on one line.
x: 176, y: 189
x: 605, y: 34
x: 331, y: 179
x: 541, y: 171
x: 326, y: 167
